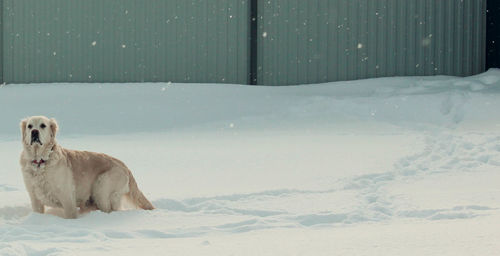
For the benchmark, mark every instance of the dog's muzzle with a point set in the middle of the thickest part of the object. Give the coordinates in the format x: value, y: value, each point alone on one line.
x: 35, y: 137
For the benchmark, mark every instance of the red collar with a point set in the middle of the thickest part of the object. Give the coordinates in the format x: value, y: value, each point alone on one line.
x: 38, y: 162
x: 41, y: 160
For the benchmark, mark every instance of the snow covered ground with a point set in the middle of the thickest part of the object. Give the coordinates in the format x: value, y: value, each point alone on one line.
x: 390, y: 166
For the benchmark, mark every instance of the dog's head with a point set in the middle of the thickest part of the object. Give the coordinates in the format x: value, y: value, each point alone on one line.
x: 38, y: 130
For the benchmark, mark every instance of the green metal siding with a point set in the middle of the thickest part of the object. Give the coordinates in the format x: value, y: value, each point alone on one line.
x: 299, y: 41
x: 125, y: 41
x: 1, y: 42
x: 317, y: 41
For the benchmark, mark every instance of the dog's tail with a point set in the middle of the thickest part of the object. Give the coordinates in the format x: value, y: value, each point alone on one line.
x: 137, y: 196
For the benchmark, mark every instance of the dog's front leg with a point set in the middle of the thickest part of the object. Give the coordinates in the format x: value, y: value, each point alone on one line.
x: 36, y: 205
x: 69, y: 206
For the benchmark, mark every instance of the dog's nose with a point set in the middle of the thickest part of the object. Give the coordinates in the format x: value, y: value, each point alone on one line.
x: 34, y: 133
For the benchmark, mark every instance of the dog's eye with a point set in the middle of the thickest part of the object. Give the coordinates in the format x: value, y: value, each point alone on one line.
x: 42, y: 126
x: 30, y: 126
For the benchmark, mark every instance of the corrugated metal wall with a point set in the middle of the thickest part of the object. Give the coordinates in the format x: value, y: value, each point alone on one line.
x: 299, y: 41
x: 1, y: 42
x: 125, y: 41
x: 328, y: 40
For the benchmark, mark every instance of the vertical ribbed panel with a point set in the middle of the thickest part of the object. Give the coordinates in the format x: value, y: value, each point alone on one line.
x: 329, y: 40
x: 126, y: 41
x: 1, y: 43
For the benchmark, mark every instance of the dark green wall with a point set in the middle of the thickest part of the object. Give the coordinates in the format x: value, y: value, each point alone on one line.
x: 1, y: 42
x: 126, y: 41
x: 298, y: 41
x: 329, y: 40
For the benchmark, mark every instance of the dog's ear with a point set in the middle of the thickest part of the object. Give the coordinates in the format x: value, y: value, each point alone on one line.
x: 23, y: 124
x: 53, y: 126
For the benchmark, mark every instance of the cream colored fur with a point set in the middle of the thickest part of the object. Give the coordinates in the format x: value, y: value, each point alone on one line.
x: 70, y: 179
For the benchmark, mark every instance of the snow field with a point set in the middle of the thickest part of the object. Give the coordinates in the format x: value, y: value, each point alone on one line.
x: 392, y: 166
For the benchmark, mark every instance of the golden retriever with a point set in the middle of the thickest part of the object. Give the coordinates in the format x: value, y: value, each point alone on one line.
x: 68, y: 179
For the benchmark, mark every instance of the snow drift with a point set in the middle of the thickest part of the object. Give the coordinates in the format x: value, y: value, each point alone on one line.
x: 386, y: 166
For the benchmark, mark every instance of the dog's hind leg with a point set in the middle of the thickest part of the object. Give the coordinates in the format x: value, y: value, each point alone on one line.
x: 109, y: 188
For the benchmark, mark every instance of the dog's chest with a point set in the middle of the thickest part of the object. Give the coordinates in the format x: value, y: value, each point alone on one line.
x: 46, y: 189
